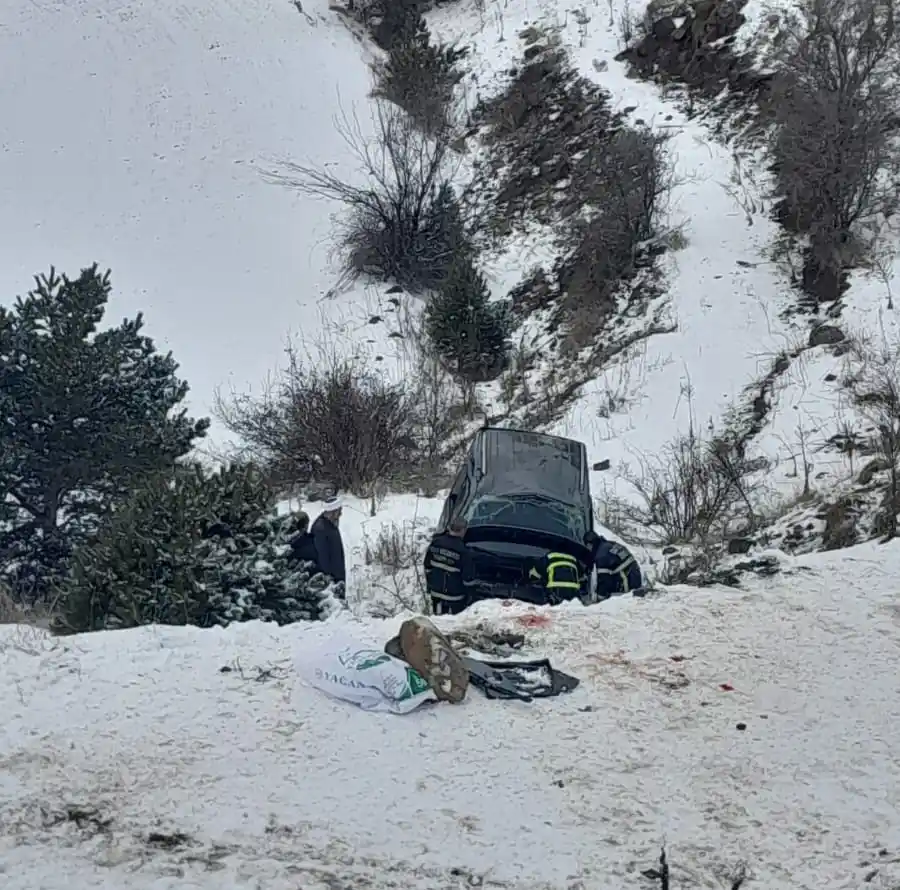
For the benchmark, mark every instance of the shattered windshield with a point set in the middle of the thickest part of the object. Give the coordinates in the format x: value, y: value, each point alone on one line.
x: 528, y: 511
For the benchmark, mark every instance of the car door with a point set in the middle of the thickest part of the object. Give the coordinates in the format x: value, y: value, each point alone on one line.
x: 453, y: 498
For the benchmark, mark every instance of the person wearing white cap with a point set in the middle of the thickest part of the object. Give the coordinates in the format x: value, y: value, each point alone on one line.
x: 326, y: 536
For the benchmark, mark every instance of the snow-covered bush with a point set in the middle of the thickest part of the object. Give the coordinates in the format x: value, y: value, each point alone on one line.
x: 194, y: 548
x: 468, y: 331
x: 404, y: 223
x: 421, y: 77
x: 85, y: 414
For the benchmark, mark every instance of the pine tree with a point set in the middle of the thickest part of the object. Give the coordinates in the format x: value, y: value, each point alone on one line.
x: 420, y: 76
x: 197, y: 548
x: 84, y: 414
x: 466, y: 329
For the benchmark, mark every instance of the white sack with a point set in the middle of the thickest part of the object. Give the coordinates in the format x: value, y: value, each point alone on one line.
x: 354, y: 671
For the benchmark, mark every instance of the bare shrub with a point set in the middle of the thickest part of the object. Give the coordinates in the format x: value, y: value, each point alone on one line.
x: 874, y: 385
x: 421, y: 77
x: 397, y: 552
x: 696, y: 492
x: 32, y: 614
x: 328, y: 418
x: 405, y: 223
x: 834, y: 154
x: 394, y: 548
x: 627, y: 26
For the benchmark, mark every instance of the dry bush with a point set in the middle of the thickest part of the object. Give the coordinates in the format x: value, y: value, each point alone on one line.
x: 35, y: 614
x: 404, y: 224
x: 874, y: 385
x: 328, y: 418
x: 397, y: 551
x: 697, y: 491
x: 834, y: 154
x: 394, y: 549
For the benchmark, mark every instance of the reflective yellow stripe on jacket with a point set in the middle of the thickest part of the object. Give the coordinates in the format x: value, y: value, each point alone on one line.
x: 566, y: 563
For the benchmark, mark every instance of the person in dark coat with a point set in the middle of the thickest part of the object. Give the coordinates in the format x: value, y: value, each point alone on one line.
x: 617, y: 569
x: 303, y: 548
x: 329, y: 546
x: 448, y: 571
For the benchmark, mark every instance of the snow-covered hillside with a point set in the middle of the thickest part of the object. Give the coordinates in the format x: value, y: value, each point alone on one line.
x: 731, y: 302
x: 752, y: 729
x: 135, y: 135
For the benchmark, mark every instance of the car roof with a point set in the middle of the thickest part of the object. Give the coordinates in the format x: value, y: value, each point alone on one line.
x: 519, y: 462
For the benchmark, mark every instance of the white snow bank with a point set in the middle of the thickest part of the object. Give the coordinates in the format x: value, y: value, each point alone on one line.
x: 276, y: 786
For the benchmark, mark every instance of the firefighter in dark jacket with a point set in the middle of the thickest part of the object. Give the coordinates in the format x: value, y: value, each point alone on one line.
x: 553, y: 578
x: 448, y: 570
x: 326, y: 535
x: 617, y: 569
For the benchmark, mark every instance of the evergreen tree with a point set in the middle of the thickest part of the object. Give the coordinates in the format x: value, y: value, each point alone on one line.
x: 192, y: 547
x: 84, y: 414
x: 421, y: 76
x: 466, y: 329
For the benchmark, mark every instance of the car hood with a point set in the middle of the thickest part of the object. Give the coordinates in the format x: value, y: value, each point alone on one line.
x: 512, y: 542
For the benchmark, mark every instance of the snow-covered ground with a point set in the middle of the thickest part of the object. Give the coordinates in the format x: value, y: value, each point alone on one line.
x: 136, y: 134
x: 131, y: 760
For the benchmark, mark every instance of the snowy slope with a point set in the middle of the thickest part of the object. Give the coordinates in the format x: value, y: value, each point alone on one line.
x: 724, y: 291
x: 722, y: 294
x: 115, y: 744
x: 134, y: 136
x: 136, y: 133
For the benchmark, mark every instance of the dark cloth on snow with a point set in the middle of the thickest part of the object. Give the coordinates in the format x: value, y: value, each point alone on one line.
x: 617, y: 569
x: 303, y: 548
x: 329, y: 548
x: 448, y: 574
